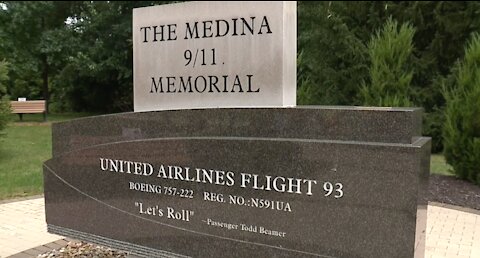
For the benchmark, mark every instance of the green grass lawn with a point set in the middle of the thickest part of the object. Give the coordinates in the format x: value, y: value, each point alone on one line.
x: 23, y: 149
x: 25, y: 146
x: 439, y: 166
x: 50, y: 118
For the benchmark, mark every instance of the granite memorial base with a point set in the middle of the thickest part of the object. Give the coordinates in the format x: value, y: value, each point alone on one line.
x: 269, y: 182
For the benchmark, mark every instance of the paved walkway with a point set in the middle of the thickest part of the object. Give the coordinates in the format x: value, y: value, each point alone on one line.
x: 452, y: 232
x: 22, y: 226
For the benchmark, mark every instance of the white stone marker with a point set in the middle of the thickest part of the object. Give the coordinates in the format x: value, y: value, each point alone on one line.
x: 214, y: 54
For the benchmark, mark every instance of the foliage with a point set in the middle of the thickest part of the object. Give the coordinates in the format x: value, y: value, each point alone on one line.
x: 331, y: 61
x: 390, y: 74
x: 434, y: 120
x: 461, y: 132
x: 4, y: 103
x: 441, y: 26
x: 33, y: 44
x: 3, y: 77
x: 98, y: 75
x: 432, y: 126
x: 78, y: 54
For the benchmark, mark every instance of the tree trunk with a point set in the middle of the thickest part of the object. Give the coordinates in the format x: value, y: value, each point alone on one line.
x: 46, y: 94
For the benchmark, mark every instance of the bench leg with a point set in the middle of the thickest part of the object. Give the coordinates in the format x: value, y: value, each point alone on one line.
x: 44, y: 116
x: 21, y: 117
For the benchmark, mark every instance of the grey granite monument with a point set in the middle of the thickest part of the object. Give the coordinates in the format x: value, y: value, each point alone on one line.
x: 270, y: 180
x: 286, y: 182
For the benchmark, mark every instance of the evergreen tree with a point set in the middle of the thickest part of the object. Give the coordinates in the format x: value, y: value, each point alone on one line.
x: 331, y: 60
x: 441, y: 26
x: 461, y: 132
x: 390, y: 52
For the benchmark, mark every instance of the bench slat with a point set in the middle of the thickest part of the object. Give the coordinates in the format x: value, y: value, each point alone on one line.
x: 27, y: 107
x: 31, y: 106
x: 28, y: 111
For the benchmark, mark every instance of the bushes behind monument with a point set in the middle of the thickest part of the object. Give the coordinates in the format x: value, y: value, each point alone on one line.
x: 390, y: 51
x: 461, y: 131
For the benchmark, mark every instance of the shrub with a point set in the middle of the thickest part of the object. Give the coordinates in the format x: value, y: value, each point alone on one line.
x: 461, y: 132
x: 4, y: 113
x: 4, y: 103
x: 432, y: 126
x: 331, y: 58
x: 390, y: 52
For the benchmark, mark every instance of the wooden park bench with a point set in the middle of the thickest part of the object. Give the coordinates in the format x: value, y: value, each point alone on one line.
x: 29, y: 107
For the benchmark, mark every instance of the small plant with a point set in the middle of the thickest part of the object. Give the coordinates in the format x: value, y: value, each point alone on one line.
x: 461, y: 131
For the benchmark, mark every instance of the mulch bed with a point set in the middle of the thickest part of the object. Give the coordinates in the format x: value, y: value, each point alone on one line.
x: 83, y: 250
x: 450, y: 190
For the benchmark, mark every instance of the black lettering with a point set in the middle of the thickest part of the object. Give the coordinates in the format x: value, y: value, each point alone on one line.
x: 237, y: 83
x: 234, y: 27
x: 207, y: 29
x: 171, y: 31
x: 227, y: 27
x: 191, y: 30
x: 265, y: 24
x: 154, y: 85
x: 184, y: 85
x: 204, y: 84
x: 225, y: 77
x: 249, y: 26
x: 213, y: 83
x: 145, y: 33
x: 155, y: 33
x: 250, y: 84
x: 170, y: 82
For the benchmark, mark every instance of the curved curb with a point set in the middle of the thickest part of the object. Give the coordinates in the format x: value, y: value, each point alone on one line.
x: 454, y: 207
x: 19, y: 199
x: 34, y: 252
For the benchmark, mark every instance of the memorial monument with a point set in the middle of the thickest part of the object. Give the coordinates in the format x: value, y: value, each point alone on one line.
x: 218, y: 161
